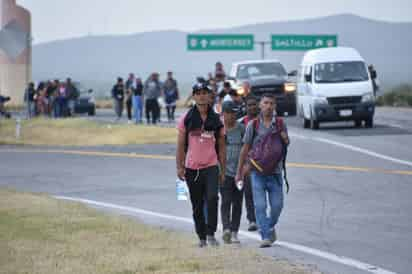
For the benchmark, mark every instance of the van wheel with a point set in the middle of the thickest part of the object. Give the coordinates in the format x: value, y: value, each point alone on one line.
x: 314, y: 124
x: 306, y: 123
x: 369, y: 123
x: 358, y: 123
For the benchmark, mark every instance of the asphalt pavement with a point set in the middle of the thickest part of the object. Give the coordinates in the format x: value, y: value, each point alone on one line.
x: 348, y: 210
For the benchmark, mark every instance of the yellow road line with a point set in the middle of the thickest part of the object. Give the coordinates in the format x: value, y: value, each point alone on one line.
x: 167, y: 157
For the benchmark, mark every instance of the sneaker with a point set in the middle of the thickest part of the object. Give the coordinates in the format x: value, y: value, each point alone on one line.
x: 129, y: 122
x: 211, y: 240
x: 235, y: 239
x: 202, y: 243
x: 265, y: 243
x: 273, y: 236
x: 226, y: 236
x: 252, y: 226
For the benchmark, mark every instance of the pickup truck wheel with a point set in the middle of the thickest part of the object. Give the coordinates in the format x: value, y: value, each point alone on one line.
x: 369, y: 123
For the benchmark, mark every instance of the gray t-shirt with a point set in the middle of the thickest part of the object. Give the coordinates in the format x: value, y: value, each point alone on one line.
x: 233, y: 146
x: 248, y: 138
x: 152, y: 89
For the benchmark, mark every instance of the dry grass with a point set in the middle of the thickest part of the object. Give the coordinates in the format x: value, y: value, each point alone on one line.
x: 11, y: 106
x: 104, y: 103
x: 81, y: 132
x: 42, y: 235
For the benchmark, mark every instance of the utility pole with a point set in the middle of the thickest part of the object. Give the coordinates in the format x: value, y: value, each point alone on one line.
x: 262, y: 47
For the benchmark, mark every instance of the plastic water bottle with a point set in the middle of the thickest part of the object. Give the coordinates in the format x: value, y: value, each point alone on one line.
x: 18, y: 128
x: 181, y: 190
x: 239, y: 185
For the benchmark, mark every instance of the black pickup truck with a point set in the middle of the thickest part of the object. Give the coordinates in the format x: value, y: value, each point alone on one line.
x: 268, y: 76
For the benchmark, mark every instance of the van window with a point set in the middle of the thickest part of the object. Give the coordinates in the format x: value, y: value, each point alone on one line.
x: 260, y: 69
x: 338, y: 72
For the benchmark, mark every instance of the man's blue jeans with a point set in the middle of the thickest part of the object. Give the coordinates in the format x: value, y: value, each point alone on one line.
x: 272, y: 187
x: 137, y: 108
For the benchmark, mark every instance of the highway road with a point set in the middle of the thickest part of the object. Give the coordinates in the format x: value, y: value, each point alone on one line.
x: 348, y: 210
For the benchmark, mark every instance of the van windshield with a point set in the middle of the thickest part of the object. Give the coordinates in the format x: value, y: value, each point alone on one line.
x: 339, y: 72
x: 247, y: 71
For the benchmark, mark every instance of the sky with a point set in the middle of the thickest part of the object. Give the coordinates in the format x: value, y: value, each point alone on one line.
x: 62, y: 19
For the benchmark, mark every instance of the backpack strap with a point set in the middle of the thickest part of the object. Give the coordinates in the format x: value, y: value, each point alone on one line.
x: 256, y: 123
x: 280, y: 126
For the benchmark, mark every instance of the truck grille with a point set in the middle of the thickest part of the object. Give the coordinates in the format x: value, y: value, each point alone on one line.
x: 272, y: 89
x: 344, y: 100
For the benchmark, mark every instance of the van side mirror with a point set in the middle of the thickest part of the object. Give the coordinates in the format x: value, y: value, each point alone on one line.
x: 90, y: 91
x: 308, y: 78
x: 292, y: 73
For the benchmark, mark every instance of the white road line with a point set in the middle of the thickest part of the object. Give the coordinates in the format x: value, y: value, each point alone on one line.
x: 315, y: 252
x: 294, y: 135
x: 364, y: 151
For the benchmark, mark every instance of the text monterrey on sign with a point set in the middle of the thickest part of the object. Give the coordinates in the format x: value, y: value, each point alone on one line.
x: 246, y: 42
x: 220, y: 42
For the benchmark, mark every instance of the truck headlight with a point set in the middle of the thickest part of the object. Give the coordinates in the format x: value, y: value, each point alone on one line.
x: 92, y: 100
x: 320, y: 101
x: 290, y: 87
x: 368, y: 97
x: 240, y: 91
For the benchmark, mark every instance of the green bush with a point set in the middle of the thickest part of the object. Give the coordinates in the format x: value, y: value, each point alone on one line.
x: 400, y: 96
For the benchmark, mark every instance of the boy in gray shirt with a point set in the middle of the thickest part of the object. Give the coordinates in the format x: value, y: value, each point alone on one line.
x: 232, y: 197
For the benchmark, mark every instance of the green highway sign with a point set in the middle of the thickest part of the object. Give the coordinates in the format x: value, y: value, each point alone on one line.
x: 303, y: 42
x: 220, y: 42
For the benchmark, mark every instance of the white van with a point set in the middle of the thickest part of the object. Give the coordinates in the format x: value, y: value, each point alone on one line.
x: 334, y: 84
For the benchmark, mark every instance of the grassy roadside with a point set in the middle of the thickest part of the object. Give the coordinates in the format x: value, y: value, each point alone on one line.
x: 400, y: 96
x: 81, y: 132
x: 43, y: 235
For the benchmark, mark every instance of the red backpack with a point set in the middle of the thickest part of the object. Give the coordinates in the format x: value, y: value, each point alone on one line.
x: 269, y: 150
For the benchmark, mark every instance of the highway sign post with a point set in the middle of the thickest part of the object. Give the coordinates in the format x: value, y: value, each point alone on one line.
x: 199, y: 42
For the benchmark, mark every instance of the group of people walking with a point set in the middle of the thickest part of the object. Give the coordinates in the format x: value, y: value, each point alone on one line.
x: 51, y: 99
x: 220, y: 152
x: 138, y: 95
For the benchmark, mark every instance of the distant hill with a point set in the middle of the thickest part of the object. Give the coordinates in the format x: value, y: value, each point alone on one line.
x: 98, y: 60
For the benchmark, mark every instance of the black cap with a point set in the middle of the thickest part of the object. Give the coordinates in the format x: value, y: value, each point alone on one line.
x: 230, y: 106
x: 200, y: 86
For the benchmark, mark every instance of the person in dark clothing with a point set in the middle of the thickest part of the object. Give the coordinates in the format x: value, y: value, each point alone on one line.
x: 29, y: 98
x: 61, y: 101
x: 72, y: 93
x: 171, y: 93
x: 137, y: 101
x: 51, y: 95
x: 3, y: 100
x: 374, y: 76
x: 200, y: 149
x: 130, y: 87
x: 152, y: 91
x: 118, y: 97
x: 220, y: 74
x: 252, y: 110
